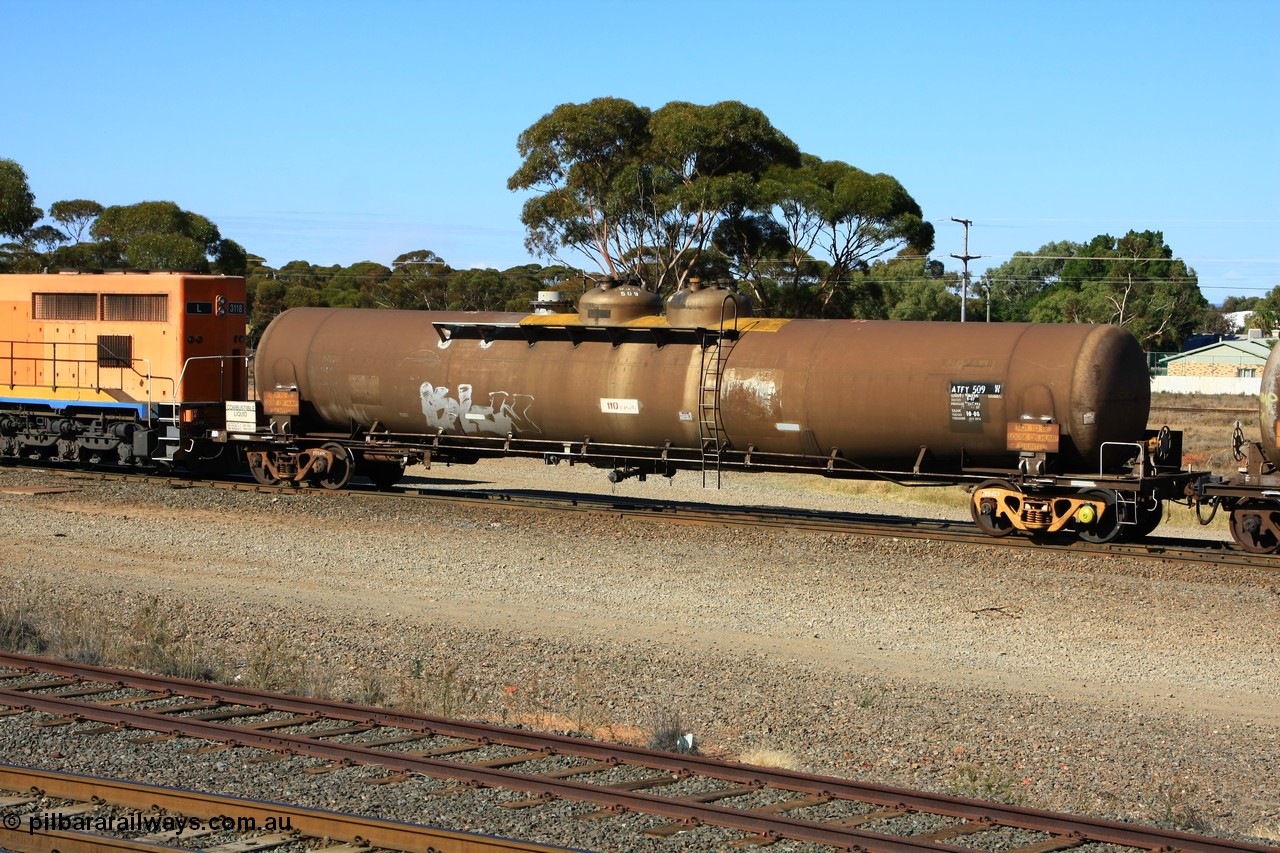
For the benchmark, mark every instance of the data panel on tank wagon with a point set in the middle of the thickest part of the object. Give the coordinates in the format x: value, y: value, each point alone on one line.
x: 969, y: 407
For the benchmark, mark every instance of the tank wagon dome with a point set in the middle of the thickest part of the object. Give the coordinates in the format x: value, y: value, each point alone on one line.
x: 707, y: 305
x: 613, y: 302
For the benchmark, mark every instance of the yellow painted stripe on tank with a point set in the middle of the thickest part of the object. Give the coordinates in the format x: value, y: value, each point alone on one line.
x: 746, y: 324
x: 762, y: 324
x: 551, y: 320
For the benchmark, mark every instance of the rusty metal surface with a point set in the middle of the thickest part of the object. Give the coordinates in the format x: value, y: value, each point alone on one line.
x: 707, y: 305
x: 614, y: 799
x: 881, y: 391
x: 313, y: 823
x: 1269, y: 409
x: 391, y: 367
x: 610, y: 304
x: 869, y: 392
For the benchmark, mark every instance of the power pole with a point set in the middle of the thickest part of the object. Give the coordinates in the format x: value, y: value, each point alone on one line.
x: 966, y: 257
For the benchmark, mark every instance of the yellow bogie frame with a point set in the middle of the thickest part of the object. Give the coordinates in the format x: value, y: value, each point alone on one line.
x: 1000, y: 509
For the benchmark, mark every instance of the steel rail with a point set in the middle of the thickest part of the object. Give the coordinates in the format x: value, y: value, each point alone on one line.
x: 974, y: 811
x: 690, y: 813
x: 314, y: 823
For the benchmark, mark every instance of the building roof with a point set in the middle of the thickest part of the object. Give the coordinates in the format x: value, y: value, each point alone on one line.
x: 1243, y: 351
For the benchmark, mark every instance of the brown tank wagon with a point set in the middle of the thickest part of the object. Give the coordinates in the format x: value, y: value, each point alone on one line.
x: 872, y: 392
x: 1047, y: 423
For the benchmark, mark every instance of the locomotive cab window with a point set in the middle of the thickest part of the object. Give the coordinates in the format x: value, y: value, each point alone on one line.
x: 115, y: 350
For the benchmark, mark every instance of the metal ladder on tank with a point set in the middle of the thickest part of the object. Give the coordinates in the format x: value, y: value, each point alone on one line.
x: 716, y: 345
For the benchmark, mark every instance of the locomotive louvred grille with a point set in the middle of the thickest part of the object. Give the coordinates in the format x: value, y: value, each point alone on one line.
x: 64, y: 306
x: 145, y: 308
x: 115, y: 350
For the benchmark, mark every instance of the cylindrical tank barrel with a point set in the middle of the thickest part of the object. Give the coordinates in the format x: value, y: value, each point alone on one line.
x: 876, y: 391
x: 869, y: 392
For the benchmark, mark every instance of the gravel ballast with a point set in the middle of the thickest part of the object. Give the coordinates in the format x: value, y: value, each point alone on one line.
x: 1136, y: 690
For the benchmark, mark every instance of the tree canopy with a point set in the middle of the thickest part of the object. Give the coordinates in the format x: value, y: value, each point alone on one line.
x: 640, y: 192
x: 18, y: 211
x: 75, y: 215
x: 161, y: 235
x: 662, y: 195
x: 1133, y: 282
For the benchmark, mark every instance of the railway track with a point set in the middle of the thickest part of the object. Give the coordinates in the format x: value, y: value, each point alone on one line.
x: 650, y: 793
x: 1214, y: 553
x: 42, y: 812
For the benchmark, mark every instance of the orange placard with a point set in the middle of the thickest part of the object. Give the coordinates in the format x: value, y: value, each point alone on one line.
x: 280, y: 402
x: 1033, y: 437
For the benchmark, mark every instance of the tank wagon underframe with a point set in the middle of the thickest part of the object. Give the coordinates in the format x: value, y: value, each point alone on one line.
x: 1095, y: 505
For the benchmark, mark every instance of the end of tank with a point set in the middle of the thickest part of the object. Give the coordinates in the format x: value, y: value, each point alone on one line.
x: 1111, y: 391
x: 1269, y: 408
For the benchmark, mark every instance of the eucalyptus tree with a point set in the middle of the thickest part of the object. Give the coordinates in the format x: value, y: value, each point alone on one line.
x: 639, y: 192
x: 419, y: 279
x: 75, y: 215
x: 838, y: 219
x: 574, y: 157
x: 18, y: 211
x: 1133, y: 282
x: 161, y: 235
x: 1015, y: 286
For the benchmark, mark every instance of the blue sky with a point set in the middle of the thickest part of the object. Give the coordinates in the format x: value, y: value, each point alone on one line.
x: 341, y: 132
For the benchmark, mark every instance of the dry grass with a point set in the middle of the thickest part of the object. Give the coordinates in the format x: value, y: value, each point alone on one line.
x: 1267, y: 830
x: 800, y: 489
x: 981, y: 782
x: 776, y: 758
x: 1207, y: 422
x: 148, y: 638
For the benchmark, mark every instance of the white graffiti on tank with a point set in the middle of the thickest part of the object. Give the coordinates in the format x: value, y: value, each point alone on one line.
x: 506, y: 414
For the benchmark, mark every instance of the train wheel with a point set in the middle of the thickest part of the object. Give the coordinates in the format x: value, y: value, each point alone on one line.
x: 383, y: 475
x: 260, y: 472
x: 340, y: 470
x: 1106, y: 527
x: 984, y: 509
x: 1253, y: 527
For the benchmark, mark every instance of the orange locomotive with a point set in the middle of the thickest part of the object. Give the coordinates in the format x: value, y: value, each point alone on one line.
x: 120, y: 368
